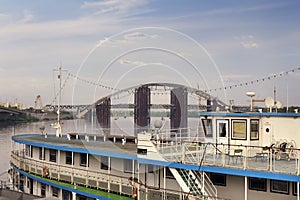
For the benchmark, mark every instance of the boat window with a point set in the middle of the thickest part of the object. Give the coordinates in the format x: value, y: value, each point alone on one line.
x: 104, y: 162
x: 207, y: 127
x: 54, y: 191
x: 69, y: 158
x: 254, y: 128
x: 279, y: 186
x: 169, y: 173
x: 52, y: 157
x: 150, y: 169
x: 295, y: 189
x: 222, y: 128
x: 43, y: 190
x: 218, y: 179
x: 28, y: 150
x: 83, y: 159
x: 41, y: 153
x: 239, y: 129
x: 259, y: 184
x: 128, y: 166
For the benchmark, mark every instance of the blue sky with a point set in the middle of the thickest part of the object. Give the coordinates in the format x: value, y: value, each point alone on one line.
x: 246, y: 40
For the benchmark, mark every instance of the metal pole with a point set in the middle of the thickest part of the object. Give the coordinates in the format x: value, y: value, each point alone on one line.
x: 165, y: 173
x: 246, y: 187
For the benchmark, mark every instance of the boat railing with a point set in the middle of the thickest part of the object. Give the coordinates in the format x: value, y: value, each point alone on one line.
x: 75, y: 175
x: 258, y: 158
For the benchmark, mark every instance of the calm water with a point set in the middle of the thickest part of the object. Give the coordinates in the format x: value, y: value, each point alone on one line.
x: 121, y: 125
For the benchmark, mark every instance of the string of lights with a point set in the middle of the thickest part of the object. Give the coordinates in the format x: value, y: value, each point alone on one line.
x: 256, y: 81
x: 164, y: 91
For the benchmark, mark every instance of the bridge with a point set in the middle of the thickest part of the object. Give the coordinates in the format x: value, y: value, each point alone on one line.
x: 6, y: 113
x: 142, y: 104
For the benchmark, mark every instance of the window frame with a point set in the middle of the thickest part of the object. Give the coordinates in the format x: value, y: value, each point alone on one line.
x: 104, y: 163
x: 207, y: 126
x: 51, y: 155
x: 226, y: 123
x: 55, y: 191
x: 257, y: 131
x: 214, y: 179
x: 263, y: 181
x: 127, y: 166
x: 43, y: 190
x: 287, y: 191
x: 234, y: 121
x: 68, y: 157
x: 84, y: 157
x: 294, y: 185
x: 41, y: 153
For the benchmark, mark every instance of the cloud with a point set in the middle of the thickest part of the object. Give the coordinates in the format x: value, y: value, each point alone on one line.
x: 116, y: 7
x: 129, y: 62
x: 249, y: 44
x: 139, y: 35
x: 247, y: 41
x: 27, y: 17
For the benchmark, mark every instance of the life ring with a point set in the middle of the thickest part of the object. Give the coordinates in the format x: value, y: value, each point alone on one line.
x: 45, y: 171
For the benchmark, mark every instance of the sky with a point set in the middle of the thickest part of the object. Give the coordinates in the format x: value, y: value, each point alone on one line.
x: 120, y: 44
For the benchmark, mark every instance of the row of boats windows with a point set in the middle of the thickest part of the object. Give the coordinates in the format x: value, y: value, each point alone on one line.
x: 238, y: 128
x: 83, y: 160
x: 259, y: 184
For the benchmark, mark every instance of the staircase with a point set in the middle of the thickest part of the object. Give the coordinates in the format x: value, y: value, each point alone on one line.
x: 195, y: 183
x: 191, y: 182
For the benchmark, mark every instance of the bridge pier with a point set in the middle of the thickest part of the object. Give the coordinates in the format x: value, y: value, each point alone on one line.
x: 103, y: 115
x: 179, y: 112
x: 141, y: 109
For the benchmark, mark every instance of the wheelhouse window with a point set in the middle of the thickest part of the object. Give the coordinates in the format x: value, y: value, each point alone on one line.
x: 222, y: 128
x: 254, y: 129
x: 128, y: 167
x: 207, y: 127
x: 104, y: 162
x: 258, y: 184
x: 218, y: 179
x: 239, y: 129
x: 52, y: 157
x: 69, y: 158
x: 279, y: 186
x: 83, y: 159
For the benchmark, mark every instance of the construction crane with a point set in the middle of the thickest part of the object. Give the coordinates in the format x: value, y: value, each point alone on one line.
x: 38, y: 105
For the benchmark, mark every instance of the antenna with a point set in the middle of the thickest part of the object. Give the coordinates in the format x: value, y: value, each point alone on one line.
x: 269, y: 102
x: 251, y: 95
x: 57, y: 124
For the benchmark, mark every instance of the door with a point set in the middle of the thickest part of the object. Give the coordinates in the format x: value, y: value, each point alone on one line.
x: 222, y: 132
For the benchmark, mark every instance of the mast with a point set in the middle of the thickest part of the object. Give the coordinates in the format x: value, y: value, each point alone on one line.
x: 57, y: 125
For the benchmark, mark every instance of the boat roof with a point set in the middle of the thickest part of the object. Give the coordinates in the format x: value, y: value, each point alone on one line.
x: 248, y: 114
x: 102, y: 148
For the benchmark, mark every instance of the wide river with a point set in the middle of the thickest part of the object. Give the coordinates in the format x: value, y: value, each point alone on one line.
x: 124, y: 125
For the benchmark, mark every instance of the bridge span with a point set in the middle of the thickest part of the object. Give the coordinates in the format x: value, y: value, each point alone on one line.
x: 178, y: 104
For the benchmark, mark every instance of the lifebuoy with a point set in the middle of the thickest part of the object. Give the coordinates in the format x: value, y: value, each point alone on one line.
x: 45, y: 171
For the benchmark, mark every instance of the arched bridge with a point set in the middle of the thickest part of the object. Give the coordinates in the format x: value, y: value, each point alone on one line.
x: 142, y: 105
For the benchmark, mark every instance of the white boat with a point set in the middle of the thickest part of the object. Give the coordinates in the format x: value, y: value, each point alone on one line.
x: 252, y: 155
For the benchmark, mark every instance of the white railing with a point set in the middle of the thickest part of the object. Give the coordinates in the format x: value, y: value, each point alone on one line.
x: 79, y: 175
x: 256, y: 158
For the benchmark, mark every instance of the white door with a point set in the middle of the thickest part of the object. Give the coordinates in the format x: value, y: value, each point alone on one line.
x: 222, y: 132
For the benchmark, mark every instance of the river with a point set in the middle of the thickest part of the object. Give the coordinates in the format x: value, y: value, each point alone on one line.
x: 125, y: 125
